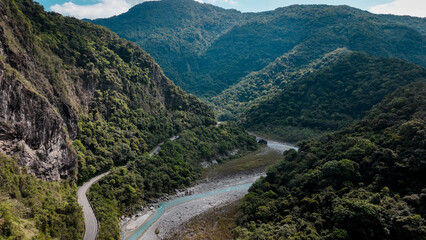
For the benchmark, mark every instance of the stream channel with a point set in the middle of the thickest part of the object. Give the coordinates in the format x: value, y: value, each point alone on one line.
x: 159, y: 222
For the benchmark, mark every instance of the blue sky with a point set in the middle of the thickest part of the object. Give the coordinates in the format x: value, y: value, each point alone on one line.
x: 106, y: 8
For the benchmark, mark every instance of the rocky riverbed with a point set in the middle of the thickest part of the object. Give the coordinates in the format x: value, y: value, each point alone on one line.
x: 162, y: 219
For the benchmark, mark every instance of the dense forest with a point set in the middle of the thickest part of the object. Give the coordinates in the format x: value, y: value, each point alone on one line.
x: 266, y: 83
x: 230, y: 46
x: 331, y: 97
x: 174, y: 32
x: 77, y: 101
x: 364, y: 182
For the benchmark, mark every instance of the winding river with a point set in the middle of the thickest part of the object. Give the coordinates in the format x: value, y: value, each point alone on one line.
x: 160, y: 222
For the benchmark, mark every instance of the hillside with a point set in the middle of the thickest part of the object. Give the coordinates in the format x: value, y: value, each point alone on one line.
x: 76, y: 100
x: 266, y: 83
x: 174, y: 32
x: 246, y: 43
x: 332, y: 97
x: 365, y: 182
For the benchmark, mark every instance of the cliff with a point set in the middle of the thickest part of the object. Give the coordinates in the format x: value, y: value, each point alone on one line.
x: 53, y: 70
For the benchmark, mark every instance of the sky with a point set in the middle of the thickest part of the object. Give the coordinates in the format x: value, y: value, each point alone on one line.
x: 106, y: 8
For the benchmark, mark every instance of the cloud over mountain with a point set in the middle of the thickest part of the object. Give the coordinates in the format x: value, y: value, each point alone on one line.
x: 402, y: 7
x: 103, y: 9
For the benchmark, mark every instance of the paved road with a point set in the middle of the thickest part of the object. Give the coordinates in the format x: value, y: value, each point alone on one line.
x: 90, y: 221
x: 91, y: 224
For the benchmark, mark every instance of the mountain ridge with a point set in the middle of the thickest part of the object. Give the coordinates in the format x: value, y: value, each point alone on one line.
x: 332, y: 97
x: 259, y: 38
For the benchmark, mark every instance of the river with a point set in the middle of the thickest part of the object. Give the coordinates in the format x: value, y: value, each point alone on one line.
x: 167, y: 216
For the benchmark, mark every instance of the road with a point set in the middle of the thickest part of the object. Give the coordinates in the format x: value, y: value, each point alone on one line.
x: 162, y: 221
x: 90, y: 221
x: 91, y: 224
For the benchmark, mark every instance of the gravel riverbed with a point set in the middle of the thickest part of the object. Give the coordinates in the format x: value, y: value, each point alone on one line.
x: 161, y: 220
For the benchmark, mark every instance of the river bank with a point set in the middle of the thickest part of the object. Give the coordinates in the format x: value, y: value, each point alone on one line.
x: 223, y: 184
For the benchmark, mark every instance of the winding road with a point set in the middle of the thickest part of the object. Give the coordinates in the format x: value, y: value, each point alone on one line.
x: 167, y: 217
x: 91, y: 225
x: 90, y: 222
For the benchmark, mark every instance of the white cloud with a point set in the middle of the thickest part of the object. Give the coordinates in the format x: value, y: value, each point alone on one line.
x: 104, y: 9
x: 402, y: 7
x: 232, y: 2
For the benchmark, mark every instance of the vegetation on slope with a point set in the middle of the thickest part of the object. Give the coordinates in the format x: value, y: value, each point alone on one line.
x: 365, y: 182
x: 266, y: 83
x: 248, y: 42
x: 36, y: 209
x: 113, y: 133
x: 174, y: 167
x: 174, y: 32
x: 332, y: 97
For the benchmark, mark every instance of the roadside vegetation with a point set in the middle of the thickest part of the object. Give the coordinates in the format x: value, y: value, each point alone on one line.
x: 31, y: 208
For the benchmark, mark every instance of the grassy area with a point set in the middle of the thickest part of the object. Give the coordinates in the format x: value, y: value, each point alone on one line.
x: 263, y: 157
x: 216, y: 224
x: 287, y: 133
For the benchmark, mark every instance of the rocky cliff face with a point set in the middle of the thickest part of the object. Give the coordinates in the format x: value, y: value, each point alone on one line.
x: 31, y: 126
x: 51, y: 70
x: 32, y: 130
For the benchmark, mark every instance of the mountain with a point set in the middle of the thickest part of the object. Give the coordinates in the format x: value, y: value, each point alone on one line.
x: 332, y: 97
x: 76, y: 101
x: 416, y: 23
x: 261, y: 85
x: 364, y: 182
x: 248, y: 42
x: 175, y: 32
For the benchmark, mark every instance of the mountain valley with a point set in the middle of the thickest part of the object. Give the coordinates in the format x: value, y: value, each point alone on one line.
x: 176, y: 103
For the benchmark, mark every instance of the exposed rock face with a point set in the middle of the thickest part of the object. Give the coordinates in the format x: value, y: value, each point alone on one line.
x: 54, y: 69
x: 32, y: 130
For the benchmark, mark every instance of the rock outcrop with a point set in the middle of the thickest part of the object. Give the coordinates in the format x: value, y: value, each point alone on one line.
x: 32, y: 130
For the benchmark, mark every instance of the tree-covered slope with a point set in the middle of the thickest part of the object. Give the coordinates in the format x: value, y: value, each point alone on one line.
x: 416, y: 23
x: 36, y: 209
x: 174, y: 32
x: 266, y: 83
x: 248, y: 42
x: 365, y: 182
x: 332, y: 97
x: 174, y: 167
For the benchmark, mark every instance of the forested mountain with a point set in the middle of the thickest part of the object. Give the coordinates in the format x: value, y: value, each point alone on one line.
x: 331, y: 97
x: 175, y: 32
x: 249, y: 42
x: 76, y: 100
x: 266, y: 83
x: 365, y: 182
x: 416, y: 23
